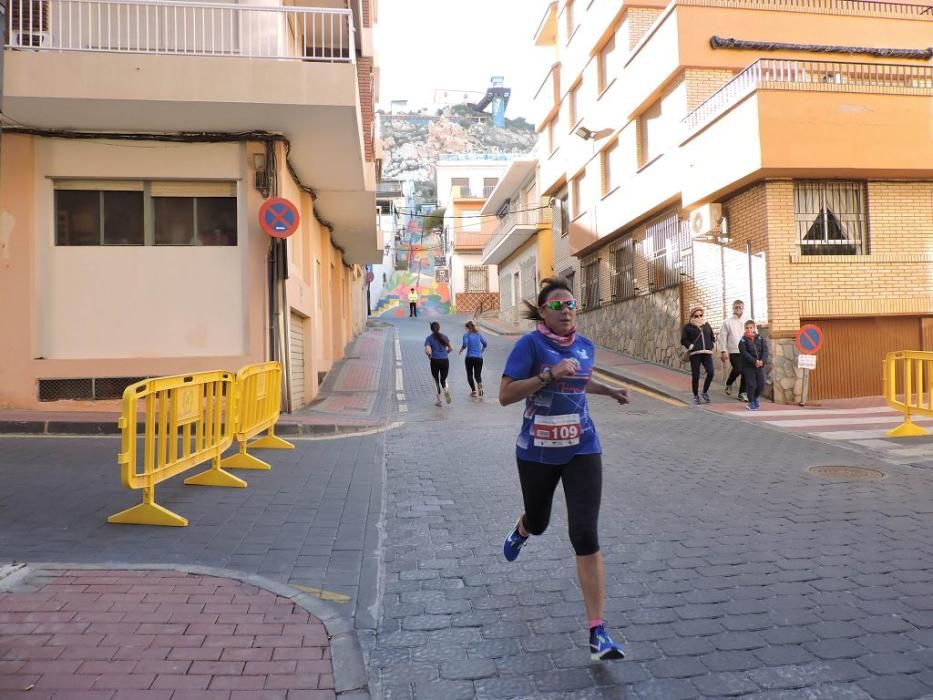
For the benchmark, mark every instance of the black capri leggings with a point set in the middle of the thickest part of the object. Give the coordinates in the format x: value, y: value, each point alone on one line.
x: 583, y: 486
x: 695, y: 362
x: 439, y: 370
x: 474, y: 368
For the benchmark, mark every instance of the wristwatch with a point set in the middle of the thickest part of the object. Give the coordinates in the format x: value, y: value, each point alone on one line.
x: 547, y: 378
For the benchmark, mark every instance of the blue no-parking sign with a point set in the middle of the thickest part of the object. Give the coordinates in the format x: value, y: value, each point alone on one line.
x: 809, y: 339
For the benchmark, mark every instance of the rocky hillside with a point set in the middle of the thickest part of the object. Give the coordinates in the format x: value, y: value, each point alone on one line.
x: 413, y: 142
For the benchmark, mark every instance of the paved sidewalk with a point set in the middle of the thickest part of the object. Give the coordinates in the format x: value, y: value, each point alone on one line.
x: 351, y: 400
x: 166, y: 634
x: 675, y: 383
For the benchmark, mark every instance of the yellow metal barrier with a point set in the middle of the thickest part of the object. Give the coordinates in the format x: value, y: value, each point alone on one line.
x: 259, y: 398
x: 187, y: 419
x: 914, y: 369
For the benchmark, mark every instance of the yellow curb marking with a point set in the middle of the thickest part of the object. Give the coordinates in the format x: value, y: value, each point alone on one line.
x: 322, y: 594
x: 640, y: 390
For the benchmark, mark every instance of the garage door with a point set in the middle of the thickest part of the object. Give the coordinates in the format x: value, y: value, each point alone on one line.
x: 296, y: 348
x: 850, y: 361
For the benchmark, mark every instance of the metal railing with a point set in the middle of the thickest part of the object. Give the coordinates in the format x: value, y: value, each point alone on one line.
x: 522, y: 217
x: 481, y: 156
x: 819, y: 76
x: 868, y: 8
x: 168, y: 27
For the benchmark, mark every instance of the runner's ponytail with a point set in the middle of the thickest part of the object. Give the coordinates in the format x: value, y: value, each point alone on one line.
x: 438, y: 336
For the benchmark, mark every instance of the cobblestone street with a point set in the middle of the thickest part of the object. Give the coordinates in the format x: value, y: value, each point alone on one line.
x: 731, y: 570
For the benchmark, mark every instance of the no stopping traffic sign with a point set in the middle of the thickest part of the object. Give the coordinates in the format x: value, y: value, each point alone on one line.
x: 279, y: 217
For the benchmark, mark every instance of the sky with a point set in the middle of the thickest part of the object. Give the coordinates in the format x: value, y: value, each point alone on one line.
x: 426, y: 44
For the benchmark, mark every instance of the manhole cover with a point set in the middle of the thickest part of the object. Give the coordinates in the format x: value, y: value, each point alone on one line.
x: 834, y: 472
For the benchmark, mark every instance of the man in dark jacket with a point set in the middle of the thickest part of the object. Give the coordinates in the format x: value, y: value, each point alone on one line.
x: 754, y: 352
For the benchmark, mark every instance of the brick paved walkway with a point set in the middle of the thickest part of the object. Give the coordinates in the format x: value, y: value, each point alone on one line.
x: 158, y: 635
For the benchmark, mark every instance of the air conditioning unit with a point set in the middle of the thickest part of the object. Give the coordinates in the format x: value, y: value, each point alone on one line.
x: 26, y: 38
x: 704, y: 221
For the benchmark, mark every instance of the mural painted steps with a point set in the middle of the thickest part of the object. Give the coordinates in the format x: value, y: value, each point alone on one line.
x: 433, y: 296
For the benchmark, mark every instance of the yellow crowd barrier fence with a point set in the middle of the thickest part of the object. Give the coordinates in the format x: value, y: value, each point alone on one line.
x: 258, y: 400
x: 908, y: 388
x: 187, y: 420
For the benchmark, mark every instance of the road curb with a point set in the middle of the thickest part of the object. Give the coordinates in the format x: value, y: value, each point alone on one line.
x: 110, y: 428
x: 350, y: 676
x: 641, y: 383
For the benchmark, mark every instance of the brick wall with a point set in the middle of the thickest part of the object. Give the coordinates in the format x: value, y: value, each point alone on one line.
x: 703, y: 83
x: 364, y: 73
x: 720, y: 272
x: 639, y: 21
x: 893, y: 279
x: 367, y: 13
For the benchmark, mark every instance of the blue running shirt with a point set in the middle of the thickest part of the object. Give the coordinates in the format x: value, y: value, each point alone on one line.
x: 557, y: 424
x: 474, y: 344
x: 438, y: 349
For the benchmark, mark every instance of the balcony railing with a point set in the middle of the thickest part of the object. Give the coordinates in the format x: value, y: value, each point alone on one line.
x: 480, y: 156
x: 817, y: 76
x: 522, y: 217
x: 857, y: 8
x: 173, y: 28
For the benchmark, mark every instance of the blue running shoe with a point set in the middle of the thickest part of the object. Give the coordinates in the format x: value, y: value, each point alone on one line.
x: 602, y: 648
x: 513, y: 544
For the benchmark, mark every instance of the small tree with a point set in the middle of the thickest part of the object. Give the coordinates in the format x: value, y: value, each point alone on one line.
x: 433, y: 220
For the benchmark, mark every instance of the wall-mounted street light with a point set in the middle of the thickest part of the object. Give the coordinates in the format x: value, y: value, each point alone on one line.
x: 589, y: 134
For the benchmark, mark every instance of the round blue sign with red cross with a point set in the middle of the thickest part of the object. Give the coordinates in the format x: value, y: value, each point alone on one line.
x: 279, y: 217
x: 809, y: 339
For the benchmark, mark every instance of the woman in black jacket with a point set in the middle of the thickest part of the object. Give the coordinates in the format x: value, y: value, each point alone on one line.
x: 697, y: 336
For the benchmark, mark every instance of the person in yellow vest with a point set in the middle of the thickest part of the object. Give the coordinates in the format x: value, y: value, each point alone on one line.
x: 412, y: 303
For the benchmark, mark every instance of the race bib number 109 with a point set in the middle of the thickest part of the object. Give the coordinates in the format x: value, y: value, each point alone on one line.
x: 557, y: 431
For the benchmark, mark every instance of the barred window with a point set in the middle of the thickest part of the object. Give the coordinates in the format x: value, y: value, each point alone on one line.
x: 669, y: 252
x: 623, y: 275
x: 591, y: 284
x: 831, y: 218
x: 476, y: 278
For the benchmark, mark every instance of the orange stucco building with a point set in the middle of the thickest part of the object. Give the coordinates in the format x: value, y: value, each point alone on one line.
x: 141, y: 141
x: 777, y: 152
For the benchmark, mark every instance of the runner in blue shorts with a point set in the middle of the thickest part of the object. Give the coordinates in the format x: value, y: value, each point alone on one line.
x: 551, y: 369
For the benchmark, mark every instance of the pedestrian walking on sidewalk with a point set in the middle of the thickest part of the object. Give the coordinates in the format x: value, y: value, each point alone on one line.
x: 437, y: 347
x: 754, y: 351
x: 697, y: 336
x: 412, y: 303
x: 729, y: 336
x: 475, y: 345
x: 551, y: 369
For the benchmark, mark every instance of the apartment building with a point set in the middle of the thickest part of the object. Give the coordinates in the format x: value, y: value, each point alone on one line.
x: 778, y: 152
x: 464, y: 182
x: 521, y: 242
x: 140, y: 141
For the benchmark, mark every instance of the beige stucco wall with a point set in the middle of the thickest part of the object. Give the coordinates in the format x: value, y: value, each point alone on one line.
x: 121, y: 311
x: 98, y: 302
